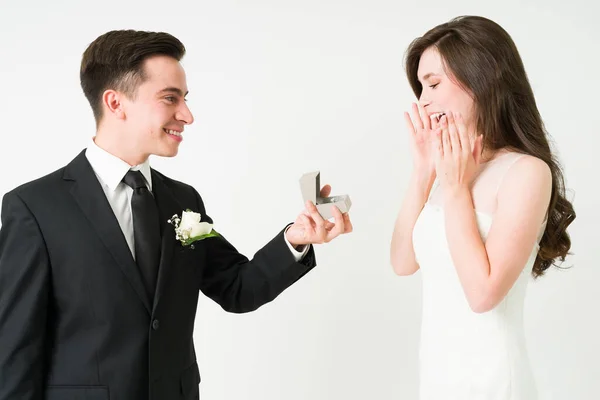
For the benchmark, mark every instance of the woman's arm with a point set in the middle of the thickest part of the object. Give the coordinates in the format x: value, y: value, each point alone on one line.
x: 402, y: 254
x: 487, y: 272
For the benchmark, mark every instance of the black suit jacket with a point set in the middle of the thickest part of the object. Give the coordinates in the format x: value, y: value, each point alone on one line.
x: 75, y: 320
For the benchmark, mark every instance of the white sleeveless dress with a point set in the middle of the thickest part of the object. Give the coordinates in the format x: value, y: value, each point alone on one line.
x: 465, y: 355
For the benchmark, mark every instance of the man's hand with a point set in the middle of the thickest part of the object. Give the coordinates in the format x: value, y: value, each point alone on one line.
x: 311, y: 228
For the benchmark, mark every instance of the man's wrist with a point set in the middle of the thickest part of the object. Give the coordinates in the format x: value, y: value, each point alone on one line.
x: 297, y: 247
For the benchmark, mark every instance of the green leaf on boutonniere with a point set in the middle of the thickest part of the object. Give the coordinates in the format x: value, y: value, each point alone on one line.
x: 190, y: 241
x: 189, y: 228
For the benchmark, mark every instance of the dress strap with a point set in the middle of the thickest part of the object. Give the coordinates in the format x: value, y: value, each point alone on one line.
x: 506, y: 167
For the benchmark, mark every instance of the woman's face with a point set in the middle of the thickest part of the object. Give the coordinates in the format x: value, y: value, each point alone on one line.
x: 441, y: 94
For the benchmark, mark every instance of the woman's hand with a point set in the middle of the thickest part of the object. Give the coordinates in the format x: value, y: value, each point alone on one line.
x: 455, y: 160
x: 421, y: 129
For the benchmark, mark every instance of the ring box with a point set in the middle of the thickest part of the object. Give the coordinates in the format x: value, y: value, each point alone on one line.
x: 310, y: 185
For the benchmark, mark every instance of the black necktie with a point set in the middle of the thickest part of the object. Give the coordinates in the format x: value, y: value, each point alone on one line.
x: 146, y: 229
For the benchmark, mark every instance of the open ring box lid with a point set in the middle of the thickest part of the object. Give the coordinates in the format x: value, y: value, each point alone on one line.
x: 310, y: 185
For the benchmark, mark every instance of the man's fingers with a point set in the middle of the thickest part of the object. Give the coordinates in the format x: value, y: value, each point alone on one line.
x: 339, y: 224
x: 320, y: 232
x: 326, y: 191
x: 347, y: 224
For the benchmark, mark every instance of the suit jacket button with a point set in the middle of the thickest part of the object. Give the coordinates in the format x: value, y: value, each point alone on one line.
x: 155, y: 324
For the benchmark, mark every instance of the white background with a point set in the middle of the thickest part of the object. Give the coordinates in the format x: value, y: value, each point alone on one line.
x: 279, y: 88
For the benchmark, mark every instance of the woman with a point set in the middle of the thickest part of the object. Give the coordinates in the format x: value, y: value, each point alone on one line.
x: 485, y: 209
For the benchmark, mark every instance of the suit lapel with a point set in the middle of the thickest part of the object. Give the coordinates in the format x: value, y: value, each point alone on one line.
x: 167, y: 206
x: 91, y: 199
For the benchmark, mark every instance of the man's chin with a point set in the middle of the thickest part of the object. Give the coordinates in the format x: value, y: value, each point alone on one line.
x: 167, y: 153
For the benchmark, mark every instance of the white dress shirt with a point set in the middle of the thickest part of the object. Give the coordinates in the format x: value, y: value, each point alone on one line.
x: 110, y: 170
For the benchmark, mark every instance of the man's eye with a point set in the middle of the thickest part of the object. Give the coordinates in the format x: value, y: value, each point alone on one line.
x: 170, y: 99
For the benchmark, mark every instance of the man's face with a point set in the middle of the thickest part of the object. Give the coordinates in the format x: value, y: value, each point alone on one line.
x: 155, y: 118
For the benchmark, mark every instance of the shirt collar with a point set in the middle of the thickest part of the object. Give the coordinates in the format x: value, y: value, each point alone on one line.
x: 111, y: 169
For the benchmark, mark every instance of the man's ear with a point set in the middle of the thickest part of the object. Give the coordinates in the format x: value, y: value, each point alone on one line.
x: 112, y: 101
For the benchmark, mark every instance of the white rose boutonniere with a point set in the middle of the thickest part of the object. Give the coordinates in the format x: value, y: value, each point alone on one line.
x: 189, y: 229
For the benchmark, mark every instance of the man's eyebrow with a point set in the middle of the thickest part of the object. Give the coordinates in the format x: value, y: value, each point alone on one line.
x: 173, y: 90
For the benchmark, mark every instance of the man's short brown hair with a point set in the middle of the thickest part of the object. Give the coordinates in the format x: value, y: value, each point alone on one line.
x: 115, y: 61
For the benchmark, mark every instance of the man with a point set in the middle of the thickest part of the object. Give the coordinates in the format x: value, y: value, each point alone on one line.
x: 97, y: 295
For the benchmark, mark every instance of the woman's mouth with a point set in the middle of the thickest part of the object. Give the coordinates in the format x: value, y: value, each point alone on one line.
x: 438, y: 116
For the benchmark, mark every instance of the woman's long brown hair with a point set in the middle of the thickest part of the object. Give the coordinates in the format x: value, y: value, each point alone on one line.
x: 484, y: 60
